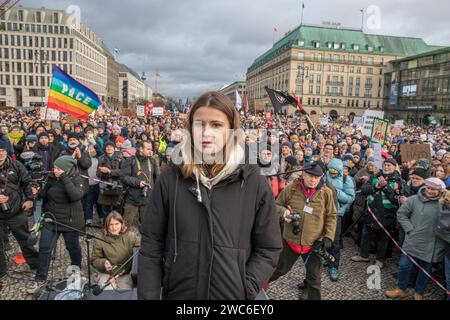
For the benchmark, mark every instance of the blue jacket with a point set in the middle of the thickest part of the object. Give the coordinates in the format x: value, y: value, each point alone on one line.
x: 343, y: 186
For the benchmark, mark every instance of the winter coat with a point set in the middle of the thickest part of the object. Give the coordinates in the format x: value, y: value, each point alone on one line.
x: 383, y: 202
x: 359, y: 205
x: 342, y: 185
x: 131, y: 180
x: 419, y: 216
x: 62, y: 198
x: 221, y: 242
x: 322, y: 221
x: 108, y: 196
x: 17, y: 186
x: 117, y: 251
x: 83, y: 164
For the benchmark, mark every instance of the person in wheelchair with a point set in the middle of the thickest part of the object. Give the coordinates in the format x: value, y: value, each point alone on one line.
x: 107, y: 257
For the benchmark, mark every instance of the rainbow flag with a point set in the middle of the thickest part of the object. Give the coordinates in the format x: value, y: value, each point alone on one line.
x: 69, y: 96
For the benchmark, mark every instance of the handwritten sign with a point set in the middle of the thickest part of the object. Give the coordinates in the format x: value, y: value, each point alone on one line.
x: 377, y: 155
x: 415, y: 151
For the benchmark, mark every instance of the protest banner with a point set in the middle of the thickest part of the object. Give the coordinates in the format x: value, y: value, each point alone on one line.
x: 379, y: 130
x: 415, y: 151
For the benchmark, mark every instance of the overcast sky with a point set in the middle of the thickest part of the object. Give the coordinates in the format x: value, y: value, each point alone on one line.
x: 201, y: 45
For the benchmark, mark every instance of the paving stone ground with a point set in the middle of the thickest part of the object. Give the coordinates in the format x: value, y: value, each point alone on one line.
x: 352, y: 284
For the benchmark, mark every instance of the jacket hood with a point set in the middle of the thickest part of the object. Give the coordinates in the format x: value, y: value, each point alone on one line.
x: 336, y: 164
x: 424, y: 198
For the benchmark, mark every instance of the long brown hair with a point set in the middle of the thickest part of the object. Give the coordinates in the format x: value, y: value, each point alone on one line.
x: 118, y: 217
x: 219, y: 102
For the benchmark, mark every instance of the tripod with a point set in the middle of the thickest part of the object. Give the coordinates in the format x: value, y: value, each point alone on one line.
x: 87, y: 238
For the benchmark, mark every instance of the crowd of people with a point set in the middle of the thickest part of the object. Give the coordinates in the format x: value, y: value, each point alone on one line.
x: 222, y: 230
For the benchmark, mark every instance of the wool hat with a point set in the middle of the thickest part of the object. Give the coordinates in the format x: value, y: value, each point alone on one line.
x: 391, y: 161
x: 65, y: 163
x: 286, y: 144
x: 421, y: 172
x: 3, y: 145
x: 31, y: 138
x: 435, y: 183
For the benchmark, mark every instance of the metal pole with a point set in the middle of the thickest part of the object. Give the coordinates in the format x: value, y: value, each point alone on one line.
x: 362, y: 19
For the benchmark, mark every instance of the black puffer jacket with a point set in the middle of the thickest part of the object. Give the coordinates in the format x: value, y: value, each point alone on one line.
x: 225, y: 247
x: 17, y: 186
x: 62, y: 197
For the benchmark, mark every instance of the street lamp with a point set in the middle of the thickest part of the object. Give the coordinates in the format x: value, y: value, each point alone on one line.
x: 41, y: 60
x: 301, y: 72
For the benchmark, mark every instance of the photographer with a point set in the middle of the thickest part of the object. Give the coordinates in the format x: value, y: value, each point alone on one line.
x: 109, y: 170
x: 15, y: 195
x: 138, y: 173
x: 62, y: 197
x: 311, y: 203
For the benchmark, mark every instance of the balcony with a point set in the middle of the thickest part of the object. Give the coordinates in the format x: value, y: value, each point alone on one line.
x: 334, y: 83
x: 346, y: 61
x: 334, y: 94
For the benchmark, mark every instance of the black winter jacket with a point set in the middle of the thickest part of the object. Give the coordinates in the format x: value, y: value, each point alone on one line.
x: 15, y: 182
x: 130, y: 180
x: 225, y: 247
x: 62, y: 197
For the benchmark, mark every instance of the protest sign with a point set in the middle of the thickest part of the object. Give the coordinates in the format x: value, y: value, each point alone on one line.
x: 158, y: 112
x: 415, y: 151
x: 140, y: 111
x: 379, y: 130
x: 49, y: 114
x: 377, y: 155
x: 368, y: 116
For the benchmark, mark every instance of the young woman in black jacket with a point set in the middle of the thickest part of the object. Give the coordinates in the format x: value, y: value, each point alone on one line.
x: 210, y: 229
x: 62, y: 202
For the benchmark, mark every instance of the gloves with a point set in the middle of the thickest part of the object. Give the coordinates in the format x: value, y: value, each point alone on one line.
x: 327, y: 243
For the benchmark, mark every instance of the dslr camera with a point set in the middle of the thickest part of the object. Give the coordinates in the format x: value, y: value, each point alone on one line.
x: 4, y: 207
x: 295, y: 217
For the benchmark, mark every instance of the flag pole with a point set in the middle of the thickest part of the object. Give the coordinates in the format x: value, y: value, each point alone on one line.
x: 301, y: 19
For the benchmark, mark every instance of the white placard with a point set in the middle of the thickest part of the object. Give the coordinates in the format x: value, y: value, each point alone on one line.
x: 140, y: 111
x: 158, y: 111
x: 49, y: 114
x: 324, y: 121
x: 368, y: 116
x: 358, y: 121
x: 377, y: 156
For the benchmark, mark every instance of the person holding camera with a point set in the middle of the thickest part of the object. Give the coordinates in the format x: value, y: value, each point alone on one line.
x: 138, y: 174
x: 15, y: 197
x: 309, y: 212
x: 109, y: 170
x: 62, y: 197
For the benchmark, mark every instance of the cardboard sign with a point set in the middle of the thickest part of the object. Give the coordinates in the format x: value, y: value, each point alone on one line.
x: 314, y: 118
x: 415, y: 151
x: 72, y: 120
x: 129, y: 113
x: 396, y: 131
x: 379, y: 130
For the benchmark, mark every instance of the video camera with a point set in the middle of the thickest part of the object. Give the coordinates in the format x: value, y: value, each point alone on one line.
x: 34, y: 165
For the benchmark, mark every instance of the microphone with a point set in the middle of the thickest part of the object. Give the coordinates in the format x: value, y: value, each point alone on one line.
x: 96, y: 290
x: 34, y: 236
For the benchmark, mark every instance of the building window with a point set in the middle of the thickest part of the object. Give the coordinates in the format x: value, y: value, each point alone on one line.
x: 369, y: 70
x: 309, y: 100
x: 319, y: 78
x: 20, y: 15
x: 350, y: 91
x: 311, y: 90
x: 356, y: 47
x: 301, y: 55
x: 358, y: 70
x: 368, y: 93
x: 38, y: 17
x: 317, y: 89
x: 357, y: 92
x: 55, y: 18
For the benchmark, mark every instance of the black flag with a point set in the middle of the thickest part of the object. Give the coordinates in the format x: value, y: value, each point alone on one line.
x: 280, y: 99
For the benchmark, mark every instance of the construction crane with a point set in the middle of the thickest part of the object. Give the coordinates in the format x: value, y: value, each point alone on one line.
x: 6, y: 5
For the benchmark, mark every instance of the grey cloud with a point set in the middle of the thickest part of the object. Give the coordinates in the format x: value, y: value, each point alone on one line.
x: 201, y: 45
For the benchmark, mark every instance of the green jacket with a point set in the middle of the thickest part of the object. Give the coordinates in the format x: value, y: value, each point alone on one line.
x: 117, y: 252
x: 322, y: 221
